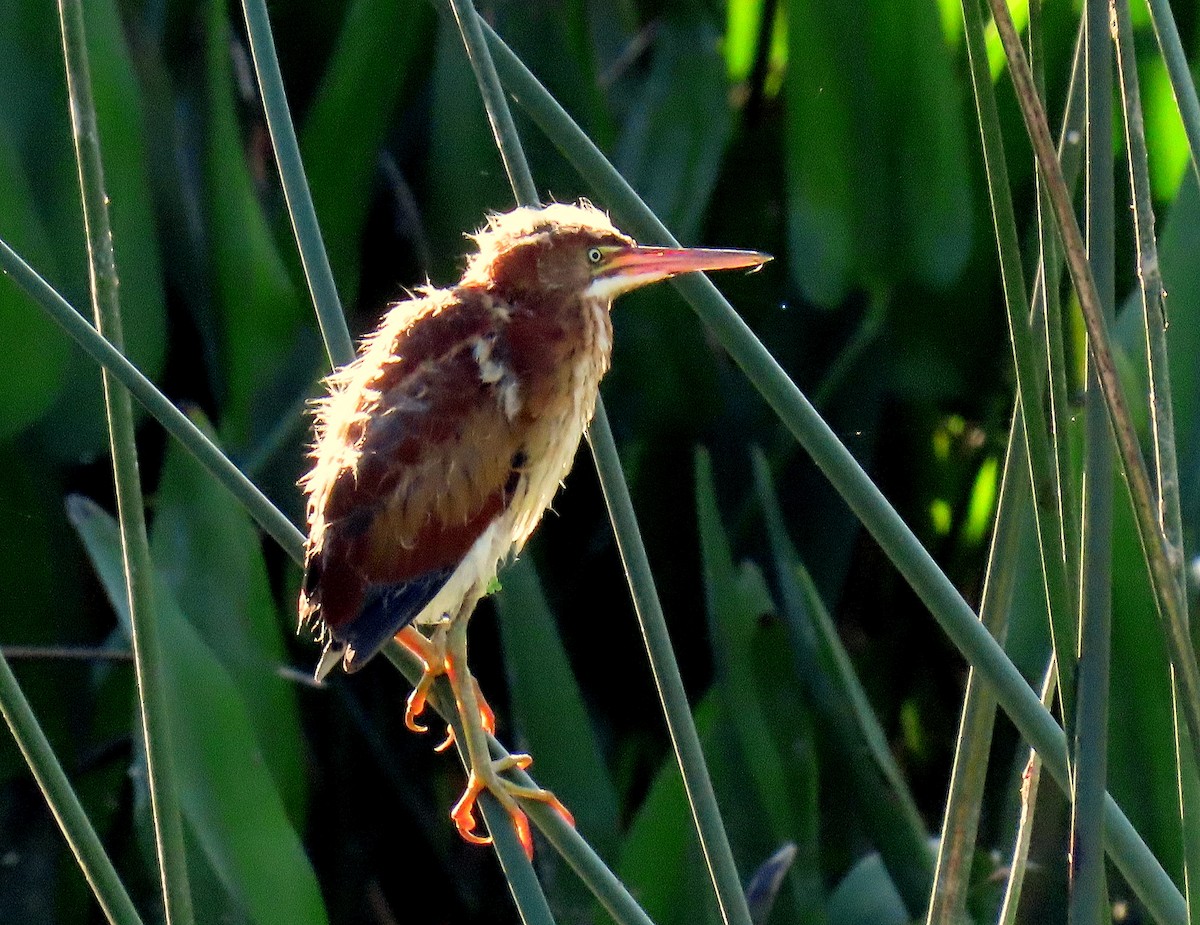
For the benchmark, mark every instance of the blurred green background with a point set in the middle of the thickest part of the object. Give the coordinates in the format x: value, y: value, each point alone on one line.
x: 839, y: 137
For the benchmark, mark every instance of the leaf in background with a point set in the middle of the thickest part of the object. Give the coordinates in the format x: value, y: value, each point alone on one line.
x: 1141, y: 749
x: 857, y: 746
x: 349, y: 118
x: 674, y: 138
x: 229, y: 800
x: 877, y: 181
x: 865, y: 896
x: 661, y: 861
x: 210, y: 554
x: 743, y: 19
x: 261, y: 311
x: 30, y: 376
x: 466, y: 177
x: 767, y: 727
x: 76, y: 429
x: 823, y: 161
x: 921, y: 102
x: 548, y: 708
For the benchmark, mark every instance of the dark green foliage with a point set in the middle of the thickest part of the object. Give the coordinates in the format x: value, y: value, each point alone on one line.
x: 845, y: 143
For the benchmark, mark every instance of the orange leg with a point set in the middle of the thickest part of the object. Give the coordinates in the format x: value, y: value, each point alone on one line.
x: 483, y: 772
x: 431, y: 651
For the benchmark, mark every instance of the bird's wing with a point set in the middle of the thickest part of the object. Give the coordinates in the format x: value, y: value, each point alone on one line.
x: 415, y: 459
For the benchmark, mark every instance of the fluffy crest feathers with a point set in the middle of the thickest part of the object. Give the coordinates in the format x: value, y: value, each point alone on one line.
x: 507, y: 229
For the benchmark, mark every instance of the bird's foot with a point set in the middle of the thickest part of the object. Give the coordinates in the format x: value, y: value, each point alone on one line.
x: 435, y: 662
x: 507, y: 793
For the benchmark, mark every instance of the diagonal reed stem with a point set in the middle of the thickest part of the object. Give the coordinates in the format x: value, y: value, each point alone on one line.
x: 85, y: 844
x: 317, y: 272
x: 135, y: 550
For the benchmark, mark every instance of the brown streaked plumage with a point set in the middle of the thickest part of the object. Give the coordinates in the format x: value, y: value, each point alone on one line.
x: 439, y: 449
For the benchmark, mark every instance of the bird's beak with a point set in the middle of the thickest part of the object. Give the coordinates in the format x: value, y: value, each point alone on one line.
x: 632, y: 267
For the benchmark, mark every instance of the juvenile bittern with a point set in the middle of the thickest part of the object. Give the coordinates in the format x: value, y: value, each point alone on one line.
x: 438, y: 450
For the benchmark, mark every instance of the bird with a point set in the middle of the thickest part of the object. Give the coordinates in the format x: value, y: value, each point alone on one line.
x: 439, y: 448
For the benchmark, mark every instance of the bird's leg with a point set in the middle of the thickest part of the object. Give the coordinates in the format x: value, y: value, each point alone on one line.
x: 483, y: 773
x: 431, y: 651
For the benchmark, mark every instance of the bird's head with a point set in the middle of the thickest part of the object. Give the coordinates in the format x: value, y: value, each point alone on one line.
x: 567, y: 249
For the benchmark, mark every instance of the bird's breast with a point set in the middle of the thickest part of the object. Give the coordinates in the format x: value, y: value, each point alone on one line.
x: 560, y: 362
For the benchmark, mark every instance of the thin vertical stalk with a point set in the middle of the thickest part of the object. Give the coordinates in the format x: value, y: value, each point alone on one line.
x: 714, y: 842
x: 1166, y: 471
x: 1047, y: 300
x: 686, y: 741
x: 1029, y: 794
x: 1170, y: 605
x: 504, y: 130
x: 1088, y: 897
x: 1180, y: 75
x: 303, y: 215
x: 960, y: 823
x: 89, y: 853
x: 135, y: 551
x: 955, y: 616
x: 1154, y: 319
x: 1048, y: 508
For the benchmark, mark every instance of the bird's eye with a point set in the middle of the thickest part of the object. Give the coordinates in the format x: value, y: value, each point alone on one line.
x: 594, y: 255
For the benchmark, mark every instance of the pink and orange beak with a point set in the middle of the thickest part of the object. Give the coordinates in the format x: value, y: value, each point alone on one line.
x: 622, y: 269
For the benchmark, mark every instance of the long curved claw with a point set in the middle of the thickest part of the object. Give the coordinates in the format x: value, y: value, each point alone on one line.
x: 507, y: 793
x: 433, y: 664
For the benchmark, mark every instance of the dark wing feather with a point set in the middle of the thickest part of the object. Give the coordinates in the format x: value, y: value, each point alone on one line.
x: 434, y: 470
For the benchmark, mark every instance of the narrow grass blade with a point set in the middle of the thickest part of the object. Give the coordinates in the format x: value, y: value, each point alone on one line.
x: 1052, y: 525
x: 858, y: 746
x: 964, y: 799
x: 944, y: 601
x: 746, y: 678
x: 299, y: 200
x: 1019, y: 863
x: 172, y: 864
x: 85, y: 844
